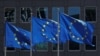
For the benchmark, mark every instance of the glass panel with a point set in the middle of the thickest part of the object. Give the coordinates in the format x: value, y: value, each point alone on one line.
x: 10, y: 14
x: 90, y: 13
x: 88, y: 47
x: 42, y: 46
x: 74, y: 12
x: 55, y: 17
x: 73, y: 46
x: 42, y: 12
x: 25, y: 14
x: 9, y: 48
x: 55, y: 46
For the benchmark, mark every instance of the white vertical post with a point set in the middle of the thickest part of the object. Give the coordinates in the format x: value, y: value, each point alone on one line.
x: 5, y: 54
x: 58, y: 34
x: 31, y: 38
x: 5, y: 49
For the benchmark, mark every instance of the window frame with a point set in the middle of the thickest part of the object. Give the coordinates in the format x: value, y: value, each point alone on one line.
x: 95, y: 11
x: 59, y: 48
x: 45, y: 9
x: 91, y: 50
x: 20, y: 14
x: 74, y: 50
x: 79, y: 12
x: 14, y: 14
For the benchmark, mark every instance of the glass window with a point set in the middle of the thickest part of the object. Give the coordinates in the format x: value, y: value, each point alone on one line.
x: 10, y: 48
x: 42, y: 46
x: 55, y: 16
x: 42, y: 13
x: 74, y: 12
x: 88, y: 47
x: 90, y: 13
x: 55, y: 46
x: 10, y: 14
x: 26, y: 14
x: 73, y: 46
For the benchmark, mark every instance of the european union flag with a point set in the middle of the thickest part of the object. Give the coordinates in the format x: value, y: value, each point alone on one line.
x: 62, y: 33
x: 79, y: 31
x: 45, y: 30
x: 17, y: 37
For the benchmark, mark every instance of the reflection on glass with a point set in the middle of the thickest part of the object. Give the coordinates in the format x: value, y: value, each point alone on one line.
x: 90, y: 14
x: 42, y: 46
x: 73, y: 46
x: 55, y: 12
x: 42, y: 13
x: 55, y: 46
x: 10, y: 14
x: 74, y: 12
x: 10, y: 48
x: 88, y: 47
x: 25, y: 14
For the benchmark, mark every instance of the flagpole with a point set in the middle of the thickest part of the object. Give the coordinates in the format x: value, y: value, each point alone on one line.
x: 31, y: 38
x: 58, y: 34
x: 5, y: 51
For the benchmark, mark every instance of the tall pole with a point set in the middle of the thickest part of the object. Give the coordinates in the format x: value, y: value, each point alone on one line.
x: 5, y: 49
x: 58, y: 34
x: 31, y: 38
x: 5, y: 54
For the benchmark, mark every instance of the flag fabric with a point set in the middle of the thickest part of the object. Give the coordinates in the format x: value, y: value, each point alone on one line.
x: 17, y: 37
x: 62, y: 33
x: 42, y: 31
x: 45, y: 30
x: 79, y: 31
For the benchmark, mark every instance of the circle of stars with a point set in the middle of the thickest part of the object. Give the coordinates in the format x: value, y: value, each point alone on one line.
x: 43, y: 30
x: 73, y: 36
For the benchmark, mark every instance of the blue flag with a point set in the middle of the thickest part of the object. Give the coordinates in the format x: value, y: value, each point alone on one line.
x: 62, y: 33
x: 42, y: 31
x: 17, y: 37
x: 45, y: 30
x: 79, y: 31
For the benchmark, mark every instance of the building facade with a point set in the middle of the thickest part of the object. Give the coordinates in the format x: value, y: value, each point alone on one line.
x: 19, y: 13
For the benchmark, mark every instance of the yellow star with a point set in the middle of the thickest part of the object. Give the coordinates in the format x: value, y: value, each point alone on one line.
x: 47, y: 22
x: 15, y: 38
x: 82, y: 38
x: 44, y: 26
x: 42, y: 30
x: 71, y: 23
x: 86, y: 32
x: 14, y: 34
x: 18, y: 42
x: 78, y: 38
x: 69, y: 27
